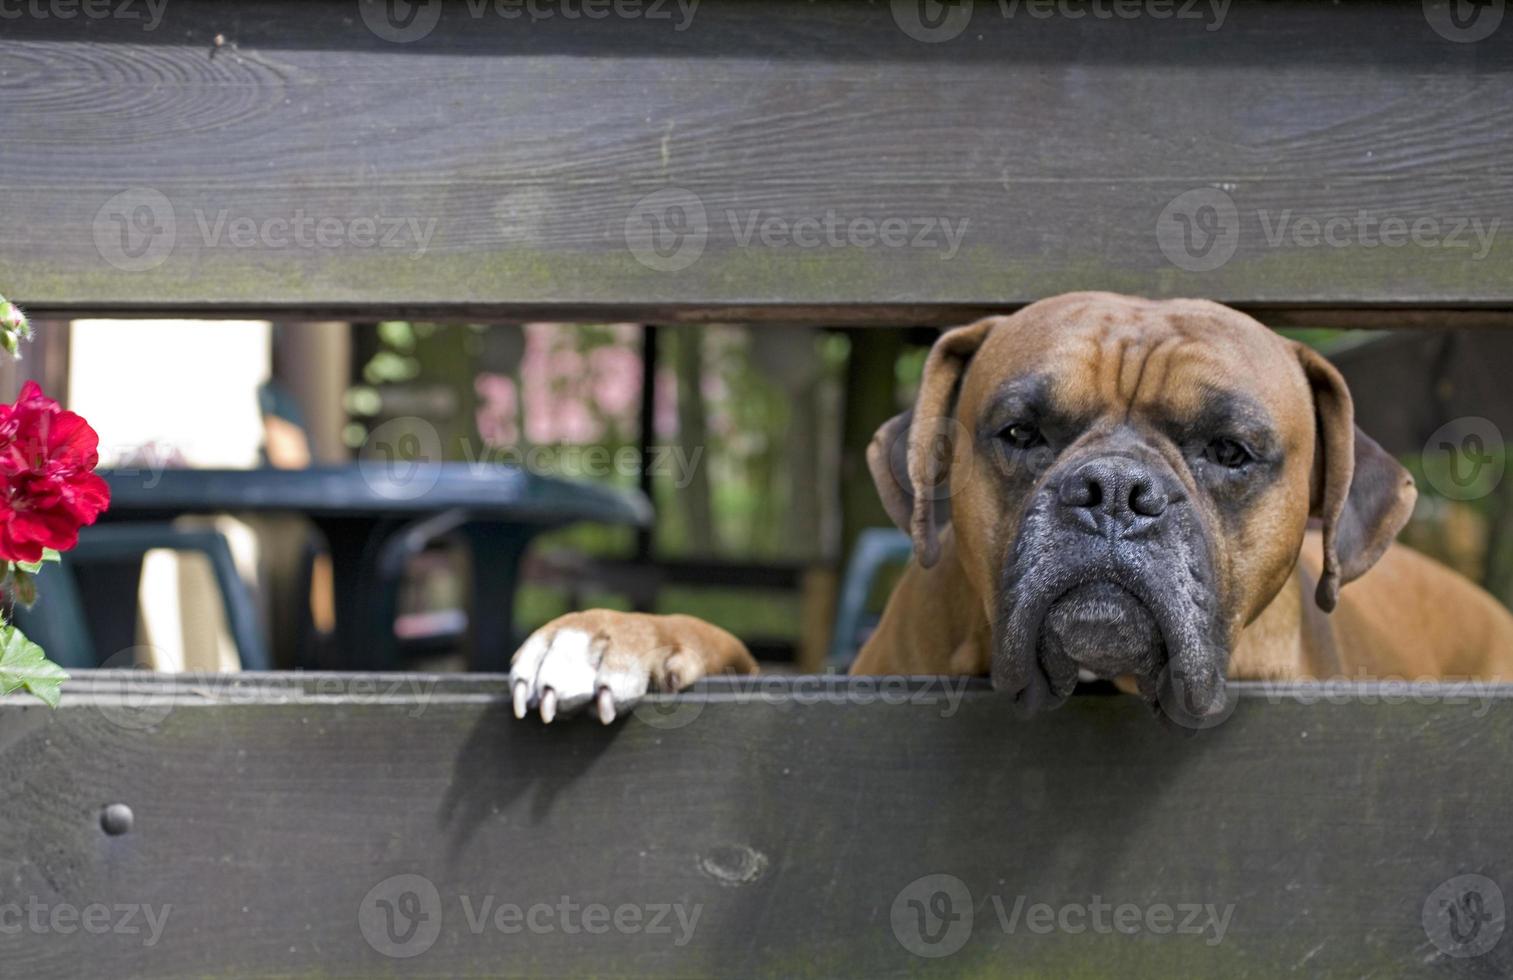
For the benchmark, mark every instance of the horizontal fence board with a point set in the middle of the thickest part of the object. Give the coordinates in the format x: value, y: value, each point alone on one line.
x: 795, y: 818
x: 497, y: 166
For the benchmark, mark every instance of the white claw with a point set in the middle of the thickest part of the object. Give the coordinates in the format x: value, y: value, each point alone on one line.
x: 562, y: 669
x: 606, y: 705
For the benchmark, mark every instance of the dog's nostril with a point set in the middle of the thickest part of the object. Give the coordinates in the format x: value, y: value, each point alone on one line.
x: 1081, y: 490
x: 1146, y: 500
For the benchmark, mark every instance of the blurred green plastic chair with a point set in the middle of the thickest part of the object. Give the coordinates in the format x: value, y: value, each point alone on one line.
x: 876, y: 548
x: 59, y: 623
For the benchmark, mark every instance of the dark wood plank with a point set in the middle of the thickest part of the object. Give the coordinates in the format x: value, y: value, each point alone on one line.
x: 522, y: 150
x: 274, y: 813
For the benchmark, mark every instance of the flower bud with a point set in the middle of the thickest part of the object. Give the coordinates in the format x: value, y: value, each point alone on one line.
x: 14, y: 327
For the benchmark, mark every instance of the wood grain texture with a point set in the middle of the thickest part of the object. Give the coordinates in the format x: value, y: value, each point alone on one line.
x: 270, y: 811
x: 503, y: 159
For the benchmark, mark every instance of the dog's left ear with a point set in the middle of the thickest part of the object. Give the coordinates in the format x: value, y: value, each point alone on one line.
x: 1361, y: 493
x: 910, y: 455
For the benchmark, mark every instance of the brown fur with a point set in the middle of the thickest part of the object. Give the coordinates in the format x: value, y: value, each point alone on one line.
x: 1120, y: 360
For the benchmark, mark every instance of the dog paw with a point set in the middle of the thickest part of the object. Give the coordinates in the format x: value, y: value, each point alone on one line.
x: 609, y: 660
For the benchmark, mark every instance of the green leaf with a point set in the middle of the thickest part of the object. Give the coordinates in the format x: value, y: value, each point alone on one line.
x: 33, y: 567
x: 22, y: 665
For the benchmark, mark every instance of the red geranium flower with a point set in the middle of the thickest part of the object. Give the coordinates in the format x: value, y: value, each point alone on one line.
x: 48, y: 487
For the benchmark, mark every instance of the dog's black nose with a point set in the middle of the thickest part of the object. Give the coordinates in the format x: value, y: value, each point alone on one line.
x: 1114, y: 493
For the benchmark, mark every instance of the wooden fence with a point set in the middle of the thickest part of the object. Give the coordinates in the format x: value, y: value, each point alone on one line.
x: 833, y: 162
x: 408, y: 825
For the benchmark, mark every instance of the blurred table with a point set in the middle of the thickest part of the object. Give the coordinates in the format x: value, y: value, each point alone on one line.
x: 373, y: 515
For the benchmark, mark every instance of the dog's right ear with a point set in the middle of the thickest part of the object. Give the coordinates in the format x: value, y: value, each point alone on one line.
x: 910, y: 455
x: 1362, y: 495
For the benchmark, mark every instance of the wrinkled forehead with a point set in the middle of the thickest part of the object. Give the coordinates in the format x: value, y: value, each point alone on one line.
x: 1104, y: 355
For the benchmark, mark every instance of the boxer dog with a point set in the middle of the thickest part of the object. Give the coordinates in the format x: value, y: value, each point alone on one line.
x: 1116, y: 487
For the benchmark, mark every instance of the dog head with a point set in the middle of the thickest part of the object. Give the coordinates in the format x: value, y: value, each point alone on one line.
x: 1128, y: 483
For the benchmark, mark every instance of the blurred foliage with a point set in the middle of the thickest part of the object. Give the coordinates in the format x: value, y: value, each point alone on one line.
x: 431, y: 370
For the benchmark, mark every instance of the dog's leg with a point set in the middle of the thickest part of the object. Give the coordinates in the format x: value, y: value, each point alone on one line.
x: 611, y: 659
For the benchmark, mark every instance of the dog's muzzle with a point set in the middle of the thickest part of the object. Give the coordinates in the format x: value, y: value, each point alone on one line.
x: 1109, y: 576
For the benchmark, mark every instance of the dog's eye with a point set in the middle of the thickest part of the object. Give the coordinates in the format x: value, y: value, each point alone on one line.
x: 1021, y: 435
x: 1227, y: 453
